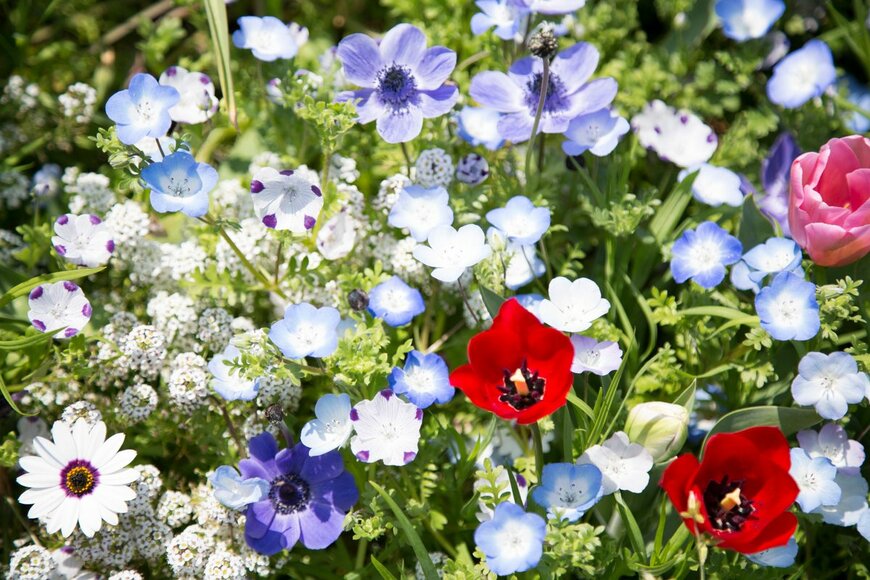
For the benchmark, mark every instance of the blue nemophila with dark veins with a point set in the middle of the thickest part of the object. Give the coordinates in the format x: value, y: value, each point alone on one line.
x: 402, y: 81
x: 568, y: 93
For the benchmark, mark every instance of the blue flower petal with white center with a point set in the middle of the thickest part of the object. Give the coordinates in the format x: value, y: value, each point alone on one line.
x: 228, y: 382
x: 568, y: 490
x: 234, y: 492
x: 306, y: 331
x: 703, y: 253
x: 830, y: 383
x: 740, y: 278
x: 142, y: 110
x: 424, y: 380
x: 746, y: 19
x: 715, y: 186
x: 863, y: 525
x: 774, y: 256
x: 788, y: 308
x: 332, y: 427
x: 803, y: 75
x: 479, y: 126
x: 507, y: 16
x: 781, y: 557
x: 421, y: 210
x: 598, y: 132
x: 513, y: 541
x: 815, y: 480
x: 267, y: 38
x: 180, y: 183
x: 833, y: 442
x: 852, y: 504
x: 395, y: 302
x: 520, y: 220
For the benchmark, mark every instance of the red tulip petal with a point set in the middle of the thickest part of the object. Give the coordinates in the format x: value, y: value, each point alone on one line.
x: 492, y: 352
x: 777, y: 533
x: 678, y: 479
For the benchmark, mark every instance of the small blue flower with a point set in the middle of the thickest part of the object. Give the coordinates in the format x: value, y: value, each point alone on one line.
x: 715, y: 186
x: 479, y: 126
x: 830, y: 383
x: 234, y: 492
x: 568, y: 490
x: 180, y: 183
x: 597, y: 132
x: 803, y: 75
x: 268, y: 38
x: 788, y: 308
x: 703, y: 253
x: 227, y: 381
x: 863, y: 525
x: 815, y: 480
x: 395, y: 302
x: 306, y: 331
x: 747, y: 19
x: 142, y: 110
x: 512, y: 540
x: 520, y: 220
x: 507, y: 16
x: 772, y: 257
x: 553, y: 6
x: 852, y: 504
x: 421, y: 210
x: 424, y: 380
x: 781, y: 557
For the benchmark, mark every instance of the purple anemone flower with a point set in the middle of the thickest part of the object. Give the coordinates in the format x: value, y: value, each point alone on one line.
x: 775, y: 172
x: 307, y: 500
x: 402, y: 81
x: 568, y: 92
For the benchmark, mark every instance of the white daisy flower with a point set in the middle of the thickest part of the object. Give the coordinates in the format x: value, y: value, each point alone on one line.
x: 59, y: 305
x: 286, y: 200
x: 198, y: 103
x: 677, y: 136
x: 387, y: 429
x: 84, y: 240
x: 572, y: 306
x: 79, y: 478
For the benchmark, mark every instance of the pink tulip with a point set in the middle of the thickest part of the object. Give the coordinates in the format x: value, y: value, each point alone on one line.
x: 829, y: 205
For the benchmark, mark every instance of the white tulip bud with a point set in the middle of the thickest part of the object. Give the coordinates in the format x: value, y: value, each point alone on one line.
x: 660, y: 427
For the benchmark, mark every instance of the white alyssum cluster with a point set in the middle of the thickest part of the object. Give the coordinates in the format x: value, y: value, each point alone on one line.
x: 173, y: 314
x: 81, y: 410
x: 78, y: 101
x: 214, y: 329
x: 137, y: 402
x: 434, y: 167
x: 388, y: 192
x: 144, y: 348
x: 90, y: 192
x: 147, y: 488
x: 188, y: 382
x: 14, y: 189
x: 175, y: 509
x: 343, y: 169
x: 232, y: 200
x: 31, y: 563
x: 20, y: 92
x: 54, y: 394
x: 275, y: 391
x: 187, y: 552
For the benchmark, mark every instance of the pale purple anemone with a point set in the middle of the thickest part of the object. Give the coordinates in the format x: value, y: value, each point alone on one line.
x: 568, y: 92
x: 775, y: 172
x: 402, y: 81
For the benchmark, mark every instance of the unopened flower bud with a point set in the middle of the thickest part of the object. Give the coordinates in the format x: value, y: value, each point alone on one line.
x: 358, y: 300
x: 275, y: 414
x: 543, y: 43
x: 660, y: 427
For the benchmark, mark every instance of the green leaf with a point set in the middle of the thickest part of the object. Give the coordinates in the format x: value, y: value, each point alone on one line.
x: 5, y: 392
x: 581, y: 404
x: 789, y: 420
x: 754, y: 227
x: 25, y: 287
x: 28, y: 341
x: 382, y: 570
x: 687, y: 398
x: 429, y: 570
x: 515, y: 489
x: 634, y: 535
x: 717, y: 311
x: 669, y: 213
x: 491, y: 300
x: 216, y: 11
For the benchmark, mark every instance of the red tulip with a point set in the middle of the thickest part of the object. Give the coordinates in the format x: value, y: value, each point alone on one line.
x: 739, y: 493
x: 519, y: 368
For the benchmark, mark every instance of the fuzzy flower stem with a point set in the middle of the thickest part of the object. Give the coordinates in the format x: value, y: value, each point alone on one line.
x: 230, y: 425
x: 539, y: 450
x: 545, y: 81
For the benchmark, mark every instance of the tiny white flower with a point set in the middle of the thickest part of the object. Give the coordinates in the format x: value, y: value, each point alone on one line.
x: 420, y: 210
x: 233, y: 491
x: 714, y: 186
x: 450, y: 252
x: 332, y: 427
x: 84, y: 240
x: 677, y: 136
x: 572, y: 306
x: 386, y: 429
x: 624, y: 465
x: 600, y: 358
x: 815, y: 480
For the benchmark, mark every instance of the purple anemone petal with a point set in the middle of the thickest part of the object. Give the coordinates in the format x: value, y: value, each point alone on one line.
x: 575, y: 65
x: 403, y: 44
x: 361, y: 59
x: 438, y: 101
x: 321, y: 525
x: 516, y: 127
x: 594, y: 96
x: 398, y: 126
x: 497, y: 91
x: 435, y: 67
x: 259, y: 518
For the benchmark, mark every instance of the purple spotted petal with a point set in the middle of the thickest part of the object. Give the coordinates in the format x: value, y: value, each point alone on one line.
x: 36, y: 293
x: 309, y: 222
x: 256, y: 186
x: 409, y: 456
x: 270, y: 221
x: 39, y: 324
x: 63, y: 220
x: 70, y: 286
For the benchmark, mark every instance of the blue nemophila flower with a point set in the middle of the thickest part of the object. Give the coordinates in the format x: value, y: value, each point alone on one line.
x: 227, y: 381
x: 332, y: 427
x: 781, y: 557
x: 268, y: 38
x: 714, y: 186
x: 402, y: 81
x: 507, y: 16
x: 520, y: 220
x: 803, y: 75
x: 451, y: 251
x: 746, y: 19
x: 395, y: 302
x: 307, y: 501
x: 815, y: 480
x: 703, y: 253
x: 568, y: 92
x: 424, y: 380
x: 863, y: 525
x: 833, y: 442
x: 286, y: 200
x: 512, y: 540
x: 788, y: 308
x: 852, y: 504
x: 420, y: 210
x: 553, y: 6
x: 597, y: 132
x: 600, y: 358
x: 830, y: 383
x: 567, y: 490
x: 775, y: 174
x: 479, y: 126
x: 306, y: 331
x: 234, y: 492
x: 772, y: 257
x: 180, y: 183
x: 858, y: 95
x: 142, y: 110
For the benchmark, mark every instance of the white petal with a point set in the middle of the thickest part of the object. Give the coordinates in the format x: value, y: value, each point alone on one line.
x: 118, y: 462
x: 107, y: 450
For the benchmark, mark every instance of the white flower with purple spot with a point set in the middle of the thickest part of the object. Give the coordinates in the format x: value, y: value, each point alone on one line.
x: 228, y: 381
x: 600, y: 358
x: 286, y: 200
x: 306, y: 331
x: 450, y: 252
x: 198, y: 103
x: 830, y: 383
x: 520, y: 220
x: 572, y: 305
x: 420, y: 210
x: 714, y: 186
x: 84, y: 240
x: 386, y: 429
x: 597, y: 132
x: 332, y: 427
x: 677, y: 136
x: 79, y: 478
x: 59, y: 305
x: 833, y: 442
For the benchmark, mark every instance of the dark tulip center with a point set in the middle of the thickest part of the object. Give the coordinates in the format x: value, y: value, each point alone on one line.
x: 522, y: 388
x: 289, y: 493
x: 396, y: 85
x: 726, y: 505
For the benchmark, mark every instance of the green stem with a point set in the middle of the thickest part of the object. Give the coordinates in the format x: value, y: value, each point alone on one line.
x: 545, y: 80
x: 407, y: 158
x: 539, y: 450
x: 278, y: 262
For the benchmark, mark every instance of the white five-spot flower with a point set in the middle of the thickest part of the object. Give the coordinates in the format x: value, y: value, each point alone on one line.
x: 387, y: 429
x: 197, y: 103
x: 84, y: 240
x: 286, y: 200
x: 59, y: 305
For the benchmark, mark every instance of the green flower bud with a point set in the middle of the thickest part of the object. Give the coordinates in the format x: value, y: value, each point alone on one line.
x: 660, y: 427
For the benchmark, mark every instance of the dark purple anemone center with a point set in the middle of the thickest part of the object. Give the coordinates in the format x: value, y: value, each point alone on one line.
x: 289, y: 493
x: 522, y: 388
x: 397, y: 86
x: 727, y: 507
x: 554, y: 101
x: 79, y: 478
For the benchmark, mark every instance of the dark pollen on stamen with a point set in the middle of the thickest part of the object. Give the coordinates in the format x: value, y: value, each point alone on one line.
x: 517, y: 400
x: 727, y: 520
